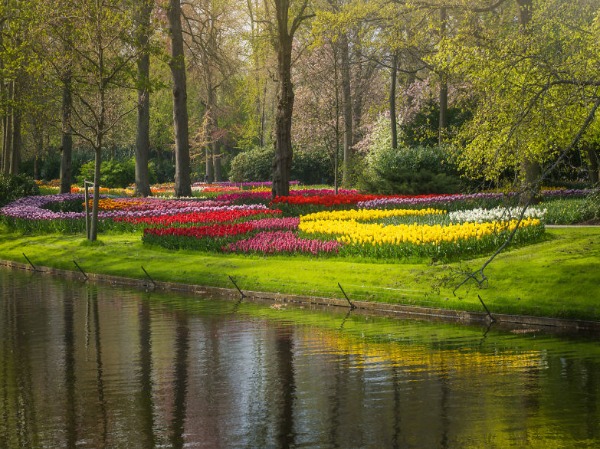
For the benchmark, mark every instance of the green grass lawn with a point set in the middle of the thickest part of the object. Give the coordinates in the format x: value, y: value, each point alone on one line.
x: 559, y: 277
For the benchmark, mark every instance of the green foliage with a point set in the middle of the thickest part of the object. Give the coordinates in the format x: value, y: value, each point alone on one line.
x: 16, y: 186
x: 590, y: 208
x: 114, y: 173
x: 423, y: 129
x: 531, y: 80
x: 410, y: 170
x: 256, y: 165
x: 312, y: 167
x: 564, y: 211
x: 49, y: 163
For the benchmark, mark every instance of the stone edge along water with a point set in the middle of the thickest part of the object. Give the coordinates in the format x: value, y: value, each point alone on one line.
x: 518, y: 323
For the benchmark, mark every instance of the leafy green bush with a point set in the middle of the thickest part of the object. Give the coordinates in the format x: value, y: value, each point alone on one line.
x: 114, y: 173
x: 410, y: 170
x: 16, y: 186
x: 256, y: 165
x: 312, y: 167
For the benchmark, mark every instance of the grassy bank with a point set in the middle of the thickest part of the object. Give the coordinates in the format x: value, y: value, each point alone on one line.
x: 558, y: 277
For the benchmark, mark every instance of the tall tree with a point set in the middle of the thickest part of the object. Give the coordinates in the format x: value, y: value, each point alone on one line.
x: 183, y: 184
x: 66, y: 143
x: 212, y: 28
x: 443, y: 93
x: 344, y: 50
x: 102, y: 46
x: 284, y: 29
x: 15, y: 22
x: 143, y: 11
x: 259, y: 81
x: 536, y: 97
x: 530, y: 167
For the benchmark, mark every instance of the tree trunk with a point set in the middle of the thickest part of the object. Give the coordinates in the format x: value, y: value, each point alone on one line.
x: 347, y: 107
x: 183, y: 185
x: 282, y: 163
x: 217, y: 163
x: 393, y: 114
x: 8, y: 131
x: 39, y: 148
x: 532, y: 172
x: 443, y: 125
x: 15, y: 156
x: 211, y: 126
x: 594, y: 165
x: 142, y: 141
x: 209, y: 174
x: 3, y: 155
x: 3, y: 118
x: 531, y: 169
x: 443, y: 85
x: 66, y: 171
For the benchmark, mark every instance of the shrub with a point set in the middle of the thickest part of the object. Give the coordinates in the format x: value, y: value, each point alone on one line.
x: 16, y: 186
x: 113, y: 173
x: 308, y: 167
x: 252, y: 165
x: 411, y: 170
x: 312, y: 167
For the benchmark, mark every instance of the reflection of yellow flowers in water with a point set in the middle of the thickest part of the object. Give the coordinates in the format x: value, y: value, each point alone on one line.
x: 351, y: 231
x: 420, y: 358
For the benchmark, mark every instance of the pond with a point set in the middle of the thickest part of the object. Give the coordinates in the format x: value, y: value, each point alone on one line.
x: 92, y: 366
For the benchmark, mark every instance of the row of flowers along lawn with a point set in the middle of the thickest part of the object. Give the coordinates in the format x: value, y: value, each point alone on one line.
x: 346, y: 224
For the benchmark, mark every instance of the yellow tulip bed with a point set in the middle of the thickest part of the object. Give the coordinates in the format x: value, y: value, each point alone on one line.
x: 360, y: 234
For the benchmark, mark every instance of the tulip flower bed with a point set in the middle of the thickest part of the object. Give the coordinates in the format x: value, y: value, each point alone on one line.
x: 347, y: 224
x: 282, y: 242
x: 406, y: 240
x: 217, y: 237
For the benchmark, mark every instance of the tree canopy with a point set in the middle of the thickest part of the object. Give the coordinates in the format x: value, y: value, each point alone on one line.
x: 508, y: 88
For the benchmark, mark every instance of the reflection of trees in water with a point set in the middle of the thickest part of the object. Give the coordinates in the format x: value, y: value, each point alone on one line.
x: 180, y: 380
x: 145, y: 396
x: 285, y: 366
x: 93, y: 300
x: 201, y: 377
x: 592, y: 387
x: 18, y: 425
x: 70, y: 375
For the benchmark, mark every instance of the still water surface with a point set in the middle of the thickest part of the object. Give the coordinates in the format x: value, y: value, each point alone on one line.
x: 91, y: 366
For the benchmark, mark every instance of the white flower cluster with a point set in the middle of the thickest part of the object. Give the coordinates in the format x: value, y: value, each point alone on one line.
x: 496, y: 214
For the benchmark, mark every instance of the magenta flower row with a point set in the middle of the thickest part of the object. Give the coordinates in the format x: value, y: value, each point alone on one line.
x: 281, y: 242
x: 288, y: 223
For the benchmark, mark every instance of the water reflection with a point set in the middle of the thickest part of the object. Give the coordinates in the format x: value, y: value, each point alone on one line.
x: 145, y: 393
x: 91, y: 366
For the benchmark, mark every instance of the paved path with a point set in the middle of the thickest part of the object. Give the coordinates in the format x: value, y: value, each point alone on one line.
x: 573, y: 226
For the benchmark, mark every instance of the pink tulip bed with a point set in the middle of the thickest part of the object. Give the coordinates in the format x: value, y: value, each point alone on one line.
x: 252, y: 222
